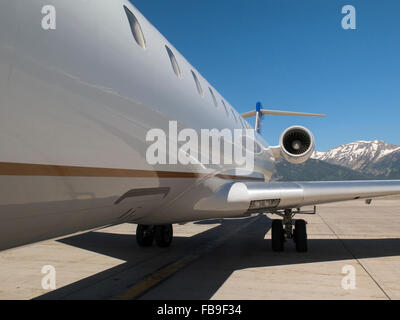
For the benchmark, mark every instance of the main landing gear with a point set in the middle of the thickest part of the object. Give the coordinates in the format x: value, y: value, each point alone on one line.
x: 145, y: 235
x: 282, y: 230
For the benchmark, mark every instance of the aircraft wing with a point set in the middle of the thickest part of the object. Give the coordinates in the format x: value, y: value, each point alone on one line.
x: 286, y: 195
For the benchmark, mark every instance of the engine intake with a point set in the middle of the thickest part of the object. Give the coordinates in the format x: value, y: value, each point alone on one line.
x: 297, y: 144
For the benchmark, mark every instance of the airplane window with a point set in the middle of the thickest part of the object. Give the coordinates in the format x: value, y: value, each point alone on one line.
x: 174, y: 63
x: 226, y: 109
x: 213, y: 96
x: 198, y: 85
x: 135, y: 28
x: 234, y: 116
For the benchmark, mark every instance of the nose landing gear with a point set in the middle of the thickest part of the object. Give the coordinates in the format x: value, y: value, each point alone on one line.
x: 282, y: 230
x: 146, y: 234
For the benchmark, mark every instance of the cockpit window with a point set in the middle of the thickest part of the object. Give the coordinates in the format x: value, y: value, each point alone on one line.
x: 135, y: 28
x: 174, y: 63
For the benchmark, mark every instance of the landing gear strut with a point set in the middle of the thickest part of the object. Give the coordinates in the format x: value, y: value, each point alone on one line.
x: 146, y: 234
x: 282, y: 230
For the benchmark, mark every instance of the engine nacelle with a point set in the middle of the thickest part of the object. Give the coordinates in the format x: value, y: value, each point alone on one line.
x: 297, y: 144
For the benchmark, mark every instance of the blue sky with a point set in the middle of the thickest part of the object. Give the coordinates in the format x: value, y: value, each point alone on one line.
x: 295, y: 55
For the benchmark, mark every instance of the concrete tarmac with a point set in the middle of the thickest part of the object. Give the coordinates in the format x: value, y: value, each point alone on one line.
x: 354, y: 253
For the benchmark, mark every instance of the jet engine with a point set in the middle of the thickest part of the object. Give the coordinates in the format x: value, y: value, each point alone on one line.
x: 296, y: 144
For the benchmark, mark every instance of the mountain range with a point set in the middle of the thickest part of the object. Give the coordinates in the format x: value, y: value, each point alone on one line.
x: 360, y: 160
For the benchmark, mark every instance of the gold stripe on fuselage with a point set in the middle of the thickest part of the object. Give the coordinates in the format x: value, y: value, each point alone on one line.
x: 45, y: 170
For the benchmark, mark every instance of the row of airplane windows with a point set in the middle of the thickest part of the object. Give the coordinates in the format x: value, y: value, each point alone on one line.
x: 141, y: 41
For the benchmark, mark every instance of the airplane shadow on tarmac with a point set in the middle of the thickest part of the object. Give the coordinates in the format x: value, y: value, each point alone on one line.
x: 246, y: 248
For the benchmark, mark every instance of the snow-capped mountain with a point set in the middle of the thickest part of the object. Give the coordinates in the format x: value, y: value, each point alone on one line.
x: 372, y: 157
x: 317, y: 155
x: 361, y: 160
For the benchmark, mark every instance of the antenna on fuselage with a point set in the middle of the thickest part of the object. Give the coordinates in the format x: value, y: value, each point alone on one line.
x: 260, y: 112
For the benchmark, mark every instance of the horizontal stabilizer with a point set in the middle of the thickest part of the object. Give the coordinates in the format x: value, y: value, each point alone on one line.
x: 280, y: 113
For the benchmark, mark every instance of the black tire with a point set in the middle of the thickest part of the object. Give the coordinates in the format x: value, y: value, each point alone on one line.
x: 144, y: 235
x: 164, y: 235
x: 300, y: 235
x: 278, y: 237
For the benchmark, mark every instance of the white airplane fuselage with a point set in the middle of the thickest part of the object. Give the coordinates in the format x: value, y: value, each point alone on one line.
x: 76, y: 104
